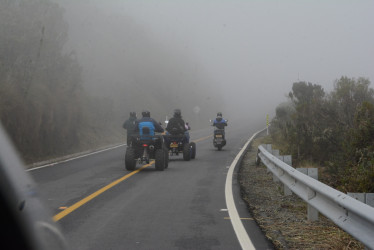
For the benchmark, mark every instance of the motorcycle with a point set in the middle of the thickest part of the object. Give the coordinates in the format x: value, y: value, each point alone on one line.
x: 219, y: 140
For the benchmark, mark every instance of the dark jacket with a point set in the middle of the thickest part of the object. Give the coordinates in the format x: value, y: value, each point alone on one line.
x: 129, y: 125
x: 158, y: 127
x: 176, y: 126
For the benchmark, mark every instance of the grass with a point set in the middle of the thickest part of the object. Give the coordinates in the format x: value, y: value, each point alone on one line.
x: 283, y: 219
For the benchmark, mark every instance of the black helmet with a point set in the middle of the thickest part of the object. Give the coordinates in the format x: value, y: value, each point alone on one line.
x: 219, y: 114
x: 146, y: 113
x: 177, y: 113
x: 132, y: 114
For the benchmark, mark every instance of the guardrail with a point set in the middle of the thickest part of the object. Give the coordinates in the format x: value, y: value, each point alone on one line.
x: 354, y: 217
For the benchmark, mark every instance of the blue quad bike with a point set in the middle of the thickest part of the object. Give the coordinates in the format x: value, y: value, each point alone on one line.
x: 178, y: 144
x: 141, y: 150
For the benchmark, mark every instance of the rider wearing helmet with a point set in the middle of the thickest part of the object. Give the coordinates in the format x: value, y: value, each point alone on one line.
x: 176, y: 125
x: 129, y: 125
x: 219, y: 122
x: 147, y: 121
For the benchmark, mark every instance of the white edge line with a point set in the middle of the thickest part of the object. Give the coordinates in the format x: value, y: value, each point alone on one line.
x: 237, y: 224
x: 74, y: 158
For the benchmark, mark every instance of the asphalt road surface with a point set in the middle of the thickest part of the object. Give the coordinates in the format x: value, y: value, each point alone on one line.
x: 100, y: 205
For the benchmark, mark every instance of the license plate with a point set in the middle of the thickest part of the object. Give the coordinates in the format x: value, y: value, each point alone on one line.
x: 173, y: 145
x: 219, y: 136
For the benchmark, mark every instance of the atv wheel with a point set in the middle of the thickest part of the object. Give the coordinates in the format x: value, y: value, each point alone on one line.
x: 166, y: 158
x: 130, y: 161
x: 160, y: 160
x: 186, y: 152
x: 193, y: 150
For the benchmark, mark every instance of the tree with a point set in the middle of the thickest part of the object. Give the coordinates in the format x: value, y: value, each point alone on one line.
x: 308, y: 100
x: 40, y: 86
x: 347, y: 95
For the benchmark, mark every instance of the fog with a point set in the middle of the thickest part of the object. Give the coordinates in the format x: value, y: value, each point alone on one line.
x: 239, y: 57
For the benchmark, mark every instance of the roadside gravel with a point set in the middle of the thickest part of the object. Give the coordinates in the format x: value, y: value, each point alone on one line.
x: 283, y: 218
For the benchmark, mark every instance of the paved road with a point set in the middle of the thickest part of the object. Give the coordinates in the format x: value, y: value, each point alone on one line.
x: 182, y: 207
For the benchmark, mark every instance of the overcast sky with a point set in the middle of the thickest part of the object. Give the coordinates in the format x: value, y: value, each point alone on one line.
x: 253, y: 50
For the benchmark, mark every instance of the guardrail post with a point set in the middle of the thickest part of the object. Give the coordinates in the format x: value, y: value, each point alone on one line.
x: 275, y: 152
x: 370, y: 199
x: 268, y: 147
x: 358, y: 196
x: 258, y: 159
x: 367, y: 198
x: 288, y: 160
x: 312, y: 212
x: 285, y: 158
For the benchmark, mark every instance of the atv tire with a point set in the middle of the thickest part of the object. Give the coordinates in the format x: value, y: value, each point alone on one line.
x: 166, y: 158
x: 186, y: 152
x: 193, y: 150
x: 130, y: 161
x: 160, y: 160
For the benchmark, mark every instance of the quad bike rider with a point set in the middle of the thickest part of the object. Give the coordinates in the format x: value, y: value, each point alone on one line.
x: 219, y: 139
x: 177, y: 138
x: 146, y: 144
x: 129, y: 125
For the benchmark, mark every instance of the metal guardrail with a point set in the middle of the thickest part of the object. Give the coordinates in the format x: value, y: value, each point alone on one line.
x: 354, y: 217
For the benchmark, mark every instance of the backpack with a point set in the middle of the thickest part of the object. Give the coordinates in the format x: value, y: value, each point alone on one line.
x: 146, y: 130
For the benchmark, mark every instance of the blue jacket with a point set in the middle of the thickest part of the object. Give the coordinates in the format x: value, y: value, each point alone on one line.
x: 220, y: 123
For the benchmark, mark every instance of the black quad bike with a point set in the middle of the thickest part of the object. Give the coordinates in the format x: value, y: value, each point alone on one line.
x: 177, y: 144
x: 219, y: 140
x: 143, y: 150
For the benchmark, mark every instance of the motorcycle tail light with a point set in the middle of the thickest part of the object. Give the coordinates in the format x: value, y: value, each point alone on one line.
x: 145, y: 145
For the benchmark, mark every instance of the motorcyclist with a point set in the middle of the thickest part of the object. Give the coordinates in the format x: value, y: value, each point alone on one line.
x: 219, y: 123
x: 176, y: 125
x: 129, y: 125
x: 147, y: 121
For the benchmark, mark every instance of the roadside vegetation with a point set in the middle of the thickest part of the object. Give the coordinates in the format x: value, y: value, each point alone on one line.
x: 43, y: 105
x: 283, y: 219
x: 50, y: 107
x: 334, y: 131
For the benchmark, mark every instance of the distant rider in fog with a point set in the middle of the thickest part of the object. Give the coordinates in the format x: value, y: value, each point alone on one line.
x: 219, y: 122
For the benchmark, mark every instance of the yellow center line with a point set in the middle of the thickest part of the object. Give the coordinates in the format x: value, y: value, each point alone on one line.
x: 202, y: 139
x: 80, y: 203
